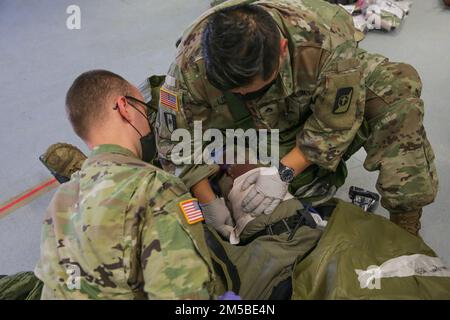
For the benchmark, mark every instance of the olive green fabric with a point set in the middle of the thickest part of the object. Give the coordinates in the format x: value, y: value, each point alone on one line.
x: 355, y: 240
x: 155, y: 82
x: 267, y: 261
x: 63, y: 159
x: 21, y: 286
x: 239, y: 112
x: 284, y: 210
x: 195, y: 175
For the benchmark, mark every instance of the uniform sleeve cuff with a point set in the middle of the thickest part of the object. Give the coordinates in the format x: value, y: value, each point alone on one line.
x: 192, y: 175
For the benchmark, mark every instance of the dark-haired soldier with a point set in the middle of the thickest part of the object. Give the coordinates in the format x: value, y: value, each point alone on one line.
x: 294, y: 65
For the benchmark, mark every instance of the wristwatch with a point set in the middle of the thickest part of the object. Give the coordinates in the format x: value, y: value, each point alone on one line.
x: 286, y: 173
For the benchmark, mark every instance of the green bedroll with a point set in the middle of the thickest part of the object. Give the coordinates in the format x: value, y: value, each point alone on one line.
x: 365, y: 256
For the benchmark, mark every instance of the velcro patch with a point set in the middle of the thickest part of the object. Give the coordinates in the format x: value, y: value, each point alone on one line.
x: 191, y: 210
x: 343, y: 100
x: 170, y: 81
x: 171, y: 121
x: 168, y: 99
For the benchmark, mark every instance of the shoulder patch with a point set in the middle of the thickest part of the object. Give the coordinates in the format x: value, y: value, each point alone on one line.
x: 343, y: 100
x: 191, y: 211
x: 169, y: 99
x: 171, y: 121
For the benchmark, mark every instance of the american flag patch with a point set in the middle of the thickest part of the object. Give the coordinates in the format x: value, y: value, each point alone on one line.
x: 191, y: 211
x: 168, y: 99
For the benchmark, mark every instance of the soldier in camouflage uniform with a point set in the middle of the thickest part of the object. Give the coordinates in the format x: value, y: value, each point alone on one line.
x: 309, y: 79
x: 120, y: 228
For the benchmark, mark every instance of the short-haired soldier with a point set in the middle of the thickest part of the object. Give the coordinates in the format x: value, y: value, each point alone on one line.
x: 120, y: 228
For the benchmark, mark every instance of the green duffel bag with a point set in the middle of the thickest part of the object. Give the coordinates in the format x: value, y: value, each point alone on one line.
x: 365, y: 256
x: 21, y: 286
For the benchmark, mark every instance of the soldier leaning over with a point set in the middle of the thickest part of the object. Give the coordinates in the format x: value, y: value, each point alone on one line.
x: 294, y: 65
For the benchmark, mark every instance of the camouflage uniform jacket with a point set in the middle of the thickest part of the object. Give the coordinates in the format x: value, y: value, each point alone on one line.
x: 116, y: 231
x: 317, y: 102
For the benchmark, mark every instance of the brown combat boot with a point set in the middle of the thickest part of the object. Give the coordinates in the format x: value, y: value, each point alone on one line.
x: 63, y: 159
x: 410, y: 221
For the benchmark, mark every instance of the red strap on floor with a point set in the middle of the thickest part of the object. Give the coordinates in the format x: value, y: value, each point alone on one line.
x: 27, y: 196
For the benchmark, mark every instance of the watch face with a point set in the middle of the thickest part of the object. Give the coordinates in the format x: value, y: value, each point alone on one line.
x: 287, y: 174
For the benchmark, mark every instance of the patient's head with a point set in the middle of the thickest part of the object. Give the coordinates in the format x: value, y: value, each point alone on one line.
x: 104, y: 108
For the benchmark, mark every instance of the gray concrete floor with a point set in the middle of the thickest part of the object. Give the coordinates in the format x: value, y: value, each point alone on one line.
x: 39, y: 58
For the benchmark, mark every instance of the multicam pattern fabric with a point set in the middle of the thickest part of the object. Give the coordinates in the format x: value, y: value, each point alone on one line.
x: 324, y: 102
x: 115, y: 231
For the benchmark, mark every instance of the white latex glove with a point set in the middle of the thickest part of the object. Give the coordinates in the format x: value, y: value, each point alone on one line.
x: 267, y: 191
x: 216, y: 214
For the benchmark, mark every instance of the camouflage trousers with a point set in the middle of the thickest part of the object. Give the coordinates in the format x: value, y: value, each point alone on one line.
x: 397, y: 145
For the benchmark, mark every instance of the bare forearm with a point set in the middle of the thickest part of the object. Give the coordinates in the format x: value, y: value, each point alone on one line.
x: 296, y: 160
x: 203, y: 191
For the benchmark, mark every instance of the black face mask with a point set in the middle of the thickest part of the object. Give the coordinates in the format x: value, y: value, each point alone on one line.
x: 148, y: 146
x: 148, y: 142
